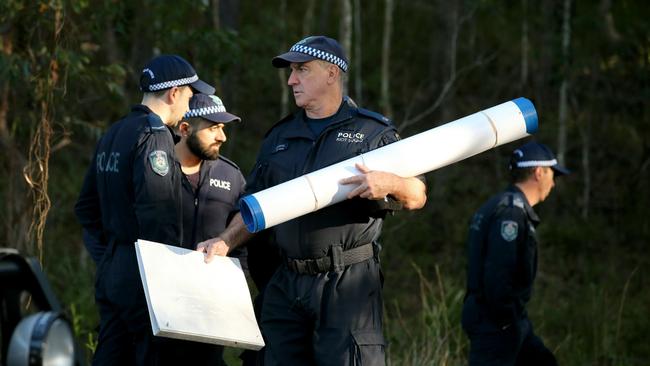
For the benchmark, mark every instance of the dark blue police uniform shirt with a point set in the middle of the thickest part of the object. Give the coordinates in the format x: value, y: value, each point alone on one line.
x: 132, y: 188
x: 502, y: 261
x: 208, y: 209
x: 290, y: 150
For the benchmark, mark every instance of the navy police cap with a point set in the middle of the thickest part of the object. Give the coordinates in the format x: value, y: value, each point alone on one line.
x: 209, y: 107
x: 167, y: 71
x: 534, y: 154
x: 312, y: 48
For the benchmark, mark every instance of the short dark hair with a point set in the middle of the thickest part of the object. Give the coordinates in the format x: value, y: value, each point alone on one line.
x: 157, y: 94
x: 518, y: 175
x: 195, y: 121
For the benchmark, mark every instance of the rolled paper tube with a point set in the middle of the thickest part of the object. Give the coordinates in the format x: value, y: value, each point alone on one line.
x: 418, y: 154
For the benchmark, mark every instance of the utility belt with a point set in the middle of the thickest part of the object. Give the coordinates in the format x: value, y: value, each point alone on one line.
x: 336, y: 260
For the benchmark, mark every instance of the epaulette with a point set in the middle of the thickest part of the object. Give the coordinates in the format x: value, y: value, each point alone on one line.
x: 289, y: 117
x: 228, y: 161
x: 376, y: 116
x: 510, y: 199
x: 155, y: 123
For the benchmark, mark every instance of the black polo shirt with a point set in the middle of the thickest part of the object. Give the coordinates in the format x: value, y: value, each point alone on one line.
x: 208, y: 208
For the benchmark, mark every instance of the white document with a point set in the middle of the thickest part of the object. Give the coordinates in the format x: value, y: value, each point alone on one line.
x: 197, y: 301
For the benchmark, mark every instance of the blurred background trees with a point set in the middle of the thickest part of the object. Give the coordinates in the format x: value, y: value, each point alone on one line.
x: 68, y: 69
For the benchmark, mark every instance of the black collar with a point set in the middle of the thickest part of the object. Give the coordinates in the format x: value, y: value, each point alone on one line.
x: 532, y: 215
x: 298, y: 127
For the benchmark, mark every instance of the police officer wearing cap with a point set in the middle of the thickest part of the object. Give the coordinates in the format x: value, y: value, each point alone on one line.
x: 502, y: 264
x: 323, y: 306
x: 211, y: 187
x: 132, y: 191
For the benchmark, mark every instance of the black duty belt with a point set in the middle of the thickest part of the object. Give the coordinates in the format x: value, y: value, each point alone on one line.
x: 335, y: 261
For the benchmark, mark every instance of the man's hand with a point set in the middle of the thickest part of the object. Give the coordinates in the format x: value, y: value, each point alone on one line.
x: 372, y: 184
x: 229, y: 239
x: 376, y: 185
x: 212, y: 247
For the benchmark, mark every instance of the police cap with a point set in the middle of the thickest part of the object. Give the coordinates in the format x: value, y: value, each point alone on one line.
x: 209, y: 107
x: 167, y: 71
x: 534, y: 154
x: 312, y: 48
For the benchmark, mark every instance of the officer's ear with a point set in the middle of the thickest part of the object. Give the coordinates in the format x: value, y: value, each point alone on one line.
x: 539, y: 172
x: 332, y: 73
x: 174, y: 93
x: 184, y: 128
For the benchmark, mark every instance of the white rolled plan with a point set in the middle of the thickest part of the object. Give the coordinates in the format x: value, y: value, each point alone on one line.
x: 418, y: 154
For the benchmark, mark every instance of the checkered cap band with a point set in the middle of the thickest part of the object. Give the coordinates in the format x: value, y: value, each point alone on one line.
x: 326, y: 56
x: 205, y: 111
x: 173, y: 83
x: 532, y: 163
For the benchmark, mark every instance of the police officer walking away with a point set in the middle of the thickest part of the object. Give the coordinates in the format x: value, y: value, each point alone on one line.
x: 132, y: 191
x: 502, y: 264
x: 212, y: 185
x: 323, y: 306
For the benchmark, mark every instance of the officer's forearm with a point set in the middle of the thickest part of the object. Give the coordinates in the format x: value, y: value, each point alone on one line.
x: 236, y: 233
x: 411, y: 192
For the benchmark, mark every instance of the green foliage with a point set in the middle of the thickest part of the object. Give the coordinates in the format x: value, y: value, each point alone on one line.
x: 590, y: 303
x: 433, y: 336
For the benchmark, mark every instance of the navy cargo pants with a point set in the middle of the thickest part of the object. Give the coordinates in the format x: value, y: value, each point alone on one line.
x: 332, y: 318
x: 516, y: 345
x: 125, y: 336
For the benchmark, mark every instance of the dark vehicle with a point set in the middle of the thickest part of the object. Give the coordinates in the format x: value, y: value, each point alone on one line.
x: 33, y: 330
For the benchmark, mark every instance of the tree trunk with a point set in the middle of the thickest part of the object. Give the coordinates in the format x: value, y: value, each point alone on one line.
x: 15, y: 215
x: 308, y: 20
x: 141, y: 49
x: 345, y: 34
x: 385, y: 59
x: 564, y: 86
x: 586, y: 170
x: 214, y: 14
x: 524, y: 45
x: 610, y: 26
x: 282, y: 75
x: 357, y: 56
x: 229, y: 14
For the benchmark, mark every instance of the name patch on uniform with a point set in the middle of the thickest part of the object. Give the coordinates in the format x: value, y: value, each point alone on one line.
x: 224, y: 184
x: 159, y: 163
x: 349, y: 136
x: 509, y: 230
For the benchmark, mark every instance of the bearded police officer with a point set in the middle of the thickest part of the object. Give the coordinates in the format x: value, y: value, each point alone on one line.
x: 211, y: 187
x: 212, y: 184
x: 323, y: 306
x: 132, y: 191
x: 502, y: 264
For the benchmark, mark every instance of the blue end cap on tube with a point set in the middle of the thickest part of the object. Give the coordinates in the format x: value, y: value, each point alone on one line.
x: 530, y: 114
x: 252, y: 214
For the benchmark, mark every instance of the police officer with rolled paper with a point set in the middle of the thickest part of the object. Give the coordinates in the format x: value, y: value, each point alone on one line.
x: 323, y: 306
x: 132, y: 191
x: 502, y: 265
